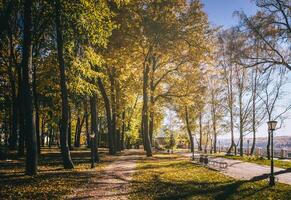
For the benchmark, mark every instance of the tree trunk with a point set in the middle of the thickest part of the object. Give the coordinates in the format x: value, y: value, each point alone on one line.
x: 152, y: 104
x: 200, y: 132
x: 211, y: 146
x: 43, y: 131
x: 145, y: 118
x: 6, y: 129
x: 254, y: 87
x: 67, y: 161
x: 36, y: 107
x: 232, y: 144
x: 31, y: 153
x: 189, y: 130
x: 214, y: 139
x: 70, y: 130
x: 111, y: 145
x: 230, y: 106
x: 50, y: 136
x: 94, y: 126
x: 214, y: 125
x: 101, y: 131
x: 206, y: 144
x: 14, y: 119
x: 151, y: 126
x: 113, y: 112
x: 77, y: 133
x: 87, y: 124
x: 122, y: 131
x: 21, y: 139
x: 241, y: 152
x: 141, y: 134
x: 118, y: 139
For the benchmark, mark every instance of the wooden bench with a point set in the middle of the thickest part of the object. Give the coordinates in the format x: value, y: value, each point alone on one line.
x: 205, y: 160
x: 220, y: 164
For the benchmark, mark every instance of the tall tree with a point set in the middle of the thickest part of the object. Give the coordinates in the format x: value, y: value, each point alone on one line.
x: 31, y: 144
x: 228, y: 77
x: 94, y: 125
x: 273, y: 85
x: 271, y: 26
x: 67, y: 161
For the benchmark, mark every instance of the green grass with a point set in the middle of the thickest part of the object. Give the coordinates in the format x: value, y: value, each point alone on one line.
x: 260, y: 161
x: 170, y: 177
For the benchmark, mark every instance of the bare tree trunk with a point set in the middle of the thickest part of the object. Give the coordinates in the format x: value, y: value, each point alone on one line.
x: 254, y: 88
x: 241, y: 152
x: 214, y: 118
x: 232, y: 145
x: 230, y: 106
x: 31, y: 154
x: 67, y: 161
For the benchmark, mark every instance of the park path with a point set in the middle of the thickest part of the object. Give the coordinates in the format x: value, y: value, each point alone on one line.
x: 250, y: 171
x: 114, y: 181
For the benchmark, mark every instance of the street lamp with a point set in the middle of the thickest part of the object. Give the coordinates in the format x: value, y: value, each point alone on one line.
x: 271, y: 128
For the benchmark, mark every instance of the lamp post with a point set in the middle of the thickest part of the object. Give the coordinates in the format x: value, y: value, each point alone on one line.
x: 271, y: 128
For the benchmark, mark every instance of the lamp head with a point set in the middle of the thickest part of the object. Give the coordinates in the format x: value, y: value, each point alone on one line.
x: 272, y: 125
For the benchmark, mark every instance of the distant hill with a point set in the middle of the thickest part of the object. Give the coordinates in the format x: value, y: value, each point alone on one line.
x: 279, y: 142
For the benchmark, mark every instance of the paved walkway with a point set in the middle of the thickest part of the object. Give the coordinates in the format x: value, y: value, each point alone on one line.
x: 251, y: 171
x: 114, y: 181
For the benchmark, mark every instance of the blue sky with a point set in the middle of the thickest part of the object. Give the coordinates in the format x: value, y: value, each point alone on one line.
x: 220, y: 13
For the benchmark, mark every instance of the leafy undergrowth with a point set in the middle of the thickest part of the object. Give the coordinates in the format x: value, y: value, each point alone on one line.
x: 261, y: 161
x: 168, y: 177
x: 52, y: 181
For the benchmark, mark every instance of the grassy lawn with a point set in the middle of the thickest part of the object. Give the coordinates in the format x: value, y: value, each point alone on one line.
x: 260, y: 161
x: 52, y: 181
x: 169, y: 177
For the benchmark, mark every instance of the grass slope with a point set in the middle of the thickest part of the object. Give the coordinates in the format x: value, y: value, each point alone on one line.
x: 170, y: 177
